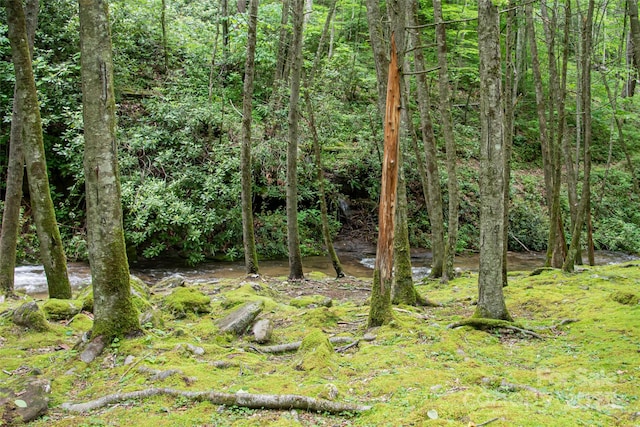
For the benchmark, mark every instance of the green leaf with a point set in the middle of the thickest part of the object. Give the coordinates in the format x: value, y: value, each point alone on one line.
x: 432, y: 414
x: 20, y: 403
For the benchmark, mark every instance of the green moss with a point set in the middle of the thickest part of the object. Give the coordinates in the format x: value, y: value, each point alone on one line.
x: 625, y: 298
x: 61, y: 309
x: 31, y: 316
x: 250, y: 292
x: 81, y: 323
x: 316, y: 352
x: 187, y: 300
x: 311, y: 300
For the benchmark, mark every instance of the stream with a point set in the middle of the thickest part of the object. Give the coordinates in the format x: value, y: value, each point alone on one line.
x: 357, y: 260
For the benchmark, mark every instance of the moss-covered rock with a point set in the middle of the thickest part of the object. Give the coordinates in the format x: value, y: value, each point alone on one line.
x: 240, y: 319
x: 31, y: 316
x: 311, y: 301
x: 24, y: 399
x: 316, y: 352
x: 250, y: 292
x: 81, y: 323
x: 187, y: 300
x: 626, y: 298
x: 61, y: 309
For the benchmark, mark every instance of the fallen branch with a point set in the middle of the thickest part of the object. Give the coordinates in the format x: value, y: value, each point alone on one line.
x: 157, y: 375
x: 294, y: 346
x: 245, y: 400
x: 347, y: 347
x: 484, y: 324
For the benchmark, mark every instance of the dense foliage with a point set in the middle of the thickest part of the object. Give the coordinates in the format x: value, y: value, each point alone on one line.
x: 179, y: 133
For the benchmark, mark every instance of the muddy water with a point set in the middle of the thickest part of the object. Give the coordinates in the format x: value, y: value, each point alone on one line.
x: 357, y: 260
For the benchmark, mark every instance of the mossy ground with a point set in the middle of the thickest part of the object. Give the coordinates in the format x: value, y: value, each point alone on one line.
x: 416, y: 371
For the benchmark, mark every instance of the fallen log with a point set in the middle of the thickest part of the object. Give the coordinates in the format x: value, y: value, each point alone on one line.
x: 294, y: 346
x: 245, y: 400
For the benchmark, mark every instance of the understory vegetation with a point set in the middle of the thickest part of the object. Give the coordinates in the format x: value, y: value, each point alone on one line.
x: 580, y: 367
x: 179, y: 138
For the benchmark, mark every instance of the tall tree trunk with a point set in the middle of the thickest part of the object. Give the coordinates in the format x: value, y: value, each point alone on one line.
x: 51, y: 249
x: 310, y: 83
x: 509, y: 99
x: 279, y: 74
x: 490, y: 285
x: 165, y: 49
x: 450, y: 143
x: 434, y: 202
x: 293, y: 237
x: 15, y: 175
x: 381, y: 59
x: 114, y: 313
x: 402, y: 291
x: 249, y: 241
x: 380, y: 309
x: 585, y: 200
x: 634, y: 30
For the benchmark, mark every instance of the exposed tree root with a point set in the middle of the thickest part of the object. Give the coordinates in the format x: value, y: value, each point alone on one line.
x: 294, y: 346
x: 484, y: 324
x: 246, y: 400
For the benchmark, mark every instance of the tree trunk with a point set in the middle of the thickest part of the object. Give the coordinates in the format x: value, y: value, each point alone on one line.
x: 15, y: 175
x: 284, y: 40
x: 450, y: 143
x: 381, y: 59
x: 249, y: 241
x: 165, y: 49
x: 634, y: 24
x: 491, y: 299
x: 51, y: 249
x: 434, y: 201
x: 293, y: 237
x: 324, y: 215
x: 585, y: 200
x: 380, y: 309
x: 114, y: 313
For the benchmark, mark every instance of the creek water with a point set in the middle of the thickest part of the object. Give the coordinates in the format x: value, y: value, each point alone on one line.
x: 357, y: 260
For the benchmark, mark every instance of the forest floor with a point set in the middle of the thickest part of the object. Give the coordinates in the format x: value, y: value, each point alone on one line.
x: 583, y: 368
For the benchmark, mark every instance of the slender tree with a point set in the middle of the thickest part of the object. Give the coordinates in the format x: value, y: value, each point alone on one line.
x: 114, y: 313
x: 293, y: 236
x: 15, y: 175
x: 250, y: 253
x: 450, y: 143
x: 317, y: 153
x: 51, y: 249
x: 490, y: 285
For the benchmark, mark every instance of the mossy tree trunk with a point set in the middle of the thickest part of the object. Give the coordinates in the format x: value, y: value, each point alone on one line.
x: 490, y: 286
x: 15, y: 175
x: 434, y: 193
x: 380, y: 309
x: 585, y: 200
x: 26, y: 103
x: 114, y: 313
x: 293, y: 236
x: 403, y: 291
x: 249, y: 240
x: 450, y: 143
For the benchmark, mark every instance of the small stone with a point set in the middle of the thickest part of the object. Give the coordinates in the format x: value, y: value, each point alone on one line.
x: 369, y: 336
x: 198, y: 351
x: 129, y: 360
x: 262, y: 331
x: 436, y: 387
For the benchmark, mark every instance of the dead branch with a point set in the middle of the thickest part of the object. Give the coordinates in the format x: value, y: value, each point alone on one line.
x: 158, y: 375
x: 294, y: 346
x: 484, y: 324
x: 246, y: 400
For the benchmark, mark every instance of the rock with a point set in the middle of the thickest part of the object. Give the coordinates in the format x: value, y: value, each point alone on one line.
x: 24, y: 400
x: 198, y: 351
x: 61, y: 309
x: 171, y: 282
x: 129, y: 360
x: 262, y: 331
x: 239, y: 320
x: 30, y: 316
x: 187, y: 300
x: 152, y: 319
x: 311, y: 301
x: 93, y: 349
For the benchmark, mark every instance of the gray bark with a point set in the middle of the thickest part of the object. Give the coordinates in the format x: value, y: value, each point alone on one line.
x: 249, y: 241
x: 30, y: 125
x: 293, y: 237
x: 114, y: 313
x: 490, y: 286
